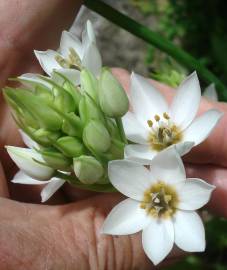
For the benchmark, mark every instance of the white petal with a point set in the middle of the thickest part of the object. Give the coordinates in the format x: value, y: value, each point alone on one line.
x: 194, y: 194
x: 68, y: 40
x: 47, y: 60
x: 134, y: 130
x: 140, y: 153
x: 167, y: 166
x: 51, y: 188
x: 126, y: 218
x: 129, y: 177
x: 183, y: 147
x: 186, y: 101
x: 24, y: 159
x: 189, y: 231
x: 27, y: 140
x: 158, y: 239
x: 200, y: 129
x: 211, y: 93
x: 92, y: 59
x: 21, y: 178
x: 30, y: 79
x: 71, y: 74
x: 146, y: 100
x: 88, y: 34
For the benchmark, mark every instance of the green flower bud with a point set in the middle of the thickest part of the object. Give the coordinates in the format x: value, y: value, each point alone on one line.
x: 68, y: 86
x: 88, y: 110
x: 89, y: 84
x: 45, y: 137
x: 55, y: 159
x: 88, y: 169
x: 74, y: 92
x: 63, y: 100
x: 37, y: 107
x: 96, y: 137
x: 112, y: 97
x: 72, y: 125
x: 70, y: 146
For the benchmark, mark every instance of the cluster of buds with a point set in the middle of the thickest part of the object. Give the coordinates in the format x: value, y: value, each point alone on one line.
x: 76, y: 128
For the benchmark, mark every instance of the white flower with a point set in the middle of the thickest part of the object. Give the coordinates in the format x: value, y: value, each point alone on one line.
x: 161, y: 203
x: 72, y: 56
x: 154, y: 126
x: 211, y: 93
x: 32, y: 172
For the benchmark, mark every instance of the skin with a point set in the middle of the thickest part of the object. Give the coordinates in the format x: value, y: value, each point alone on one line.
x: 64, y: 234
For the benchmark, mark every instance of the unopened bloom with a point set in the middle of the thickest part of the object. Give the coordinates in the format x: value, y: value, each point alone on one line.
x: 32, y: 169
x: 72, y: 55
x: 161, y: 203
x: 154, y: 126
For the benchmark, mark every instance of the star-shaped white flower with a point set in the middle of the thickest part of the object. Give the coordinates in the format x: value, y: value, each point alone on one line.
x: 161, y: 203
x: 72, y: 55
x: 154, y: 125
x: 32, y: 172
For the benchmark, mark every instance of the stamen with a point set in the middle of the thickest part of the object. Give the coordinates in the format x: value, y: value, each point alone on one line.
x: 166, y: 116
x: 157, y: 118
x: 150, y: 123
x: 160, y: 200
x: 61, y: 61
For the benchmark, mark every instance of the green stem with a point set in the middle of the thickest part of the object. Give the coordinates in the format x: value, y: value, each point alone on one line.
x: 158, y: 41
x: 121, y: 130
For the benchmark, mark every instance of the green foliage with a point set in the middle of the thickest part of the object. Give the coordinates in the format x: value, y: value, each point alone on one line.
x: 200, y: 27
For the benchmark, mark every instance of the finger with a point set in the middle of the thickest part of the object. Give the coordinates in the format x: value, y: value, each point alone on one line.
x: 216, y: 176
x: 3, y: 184
x: 214, y: 149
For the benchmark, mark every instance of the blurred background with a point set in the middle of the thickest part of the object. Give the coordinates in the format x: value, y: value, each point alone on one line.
x: 199, y: 27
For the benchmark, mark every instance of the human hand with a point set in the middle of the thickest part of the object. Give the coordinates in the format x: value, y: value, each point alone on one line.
x: 72, y: 230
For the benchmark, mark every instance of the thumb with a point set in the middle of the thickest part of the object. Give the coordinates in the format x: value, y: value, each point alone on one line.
x: 105, y: 251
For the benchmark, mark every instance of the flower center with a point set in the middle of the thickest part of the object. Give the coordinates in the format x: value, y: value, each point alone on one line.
x: 163, y: 132
x: 160, y: 200
x: 72, y: 61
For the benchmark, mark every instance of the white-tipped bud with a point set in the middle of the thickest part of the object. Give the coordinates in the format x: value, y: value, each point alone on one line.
x: 26, y: 158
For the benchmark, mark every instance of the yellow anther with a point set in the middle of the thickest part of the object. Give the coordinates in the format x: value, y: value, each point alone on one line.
x: 61, y: 61
x: 157, y: 118
x: 150, y: 123
x: 166, y: 116
x: 167, y: 198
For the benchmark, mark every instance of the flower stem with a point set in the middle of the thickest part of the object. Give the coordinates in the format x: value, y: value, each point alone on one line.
x: 121, y: 129
x: 158, y: 41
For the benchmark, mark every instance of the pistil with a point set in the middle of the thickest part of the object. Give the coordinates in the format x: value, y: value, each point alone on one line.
x: 160, y: 201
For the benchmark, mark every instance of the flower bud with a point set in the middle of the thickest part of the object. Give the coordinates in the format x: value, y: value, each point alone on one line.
x: 25, y: 159
x: 112, y: 97
x: 37, y: 108
x: 89, y: 84
x: 63, y: 100
x: 70, y: 146
x: 88, y: 110
x: 96, y: 137
x: 88, y: 169
x: 55, y: 159
x: 72, y: 125
x: 45, y: 137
